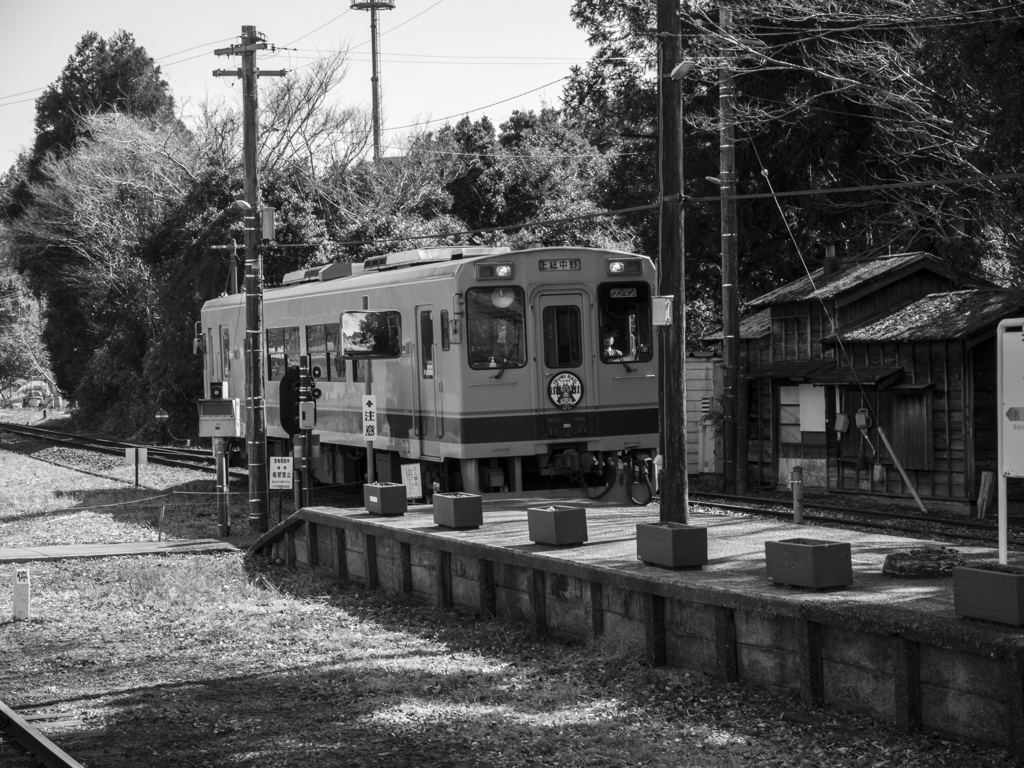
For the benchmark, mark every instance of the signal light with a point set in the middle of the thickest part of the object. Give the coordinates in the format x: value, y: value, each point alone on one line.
x: 290, y: 398
x: 314, y: 391
x: 309, y: 393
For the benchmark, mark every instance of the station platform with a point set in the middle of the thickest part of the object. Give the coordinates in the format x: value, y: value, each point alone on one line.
x: 891, y: 647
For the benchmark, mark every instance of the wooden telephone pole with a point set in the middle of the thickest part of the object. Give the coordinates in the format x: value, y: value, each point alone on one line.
x: 671, y: 273
x: 256, y: 419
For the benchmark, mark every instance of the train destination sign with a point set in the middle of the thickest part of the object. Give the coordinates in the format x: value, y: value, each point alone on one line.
x: 560, y: 265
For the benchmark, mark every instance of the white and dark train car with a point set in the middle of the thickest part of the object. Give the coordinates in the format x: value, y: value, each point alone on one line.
x: 494, y: 371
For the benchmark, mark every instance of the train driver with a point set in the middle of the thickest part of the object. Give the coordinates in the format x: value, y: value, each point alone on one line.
x: 610, y: 351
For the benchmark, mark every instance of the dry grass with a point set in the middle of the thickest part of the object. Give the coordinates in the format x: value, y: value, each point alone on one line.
x: 219, y: 660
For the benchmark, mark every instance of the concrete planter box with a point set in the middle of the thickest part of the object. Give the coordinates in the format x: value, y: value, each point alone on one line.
x: 994, y: 592
x: 385, y: 499
x: 809, y: 563
x: 557, y: 524
x: 458, y: 510
x: 672, y: 545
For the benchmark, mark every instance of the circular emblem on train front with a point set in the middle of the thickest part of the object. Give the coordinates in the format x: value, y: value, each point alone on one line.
x: 565, y: 390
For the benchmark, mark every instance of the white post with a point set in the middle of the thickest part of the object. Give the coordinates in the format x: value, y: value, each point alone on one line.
x: 22, y: 595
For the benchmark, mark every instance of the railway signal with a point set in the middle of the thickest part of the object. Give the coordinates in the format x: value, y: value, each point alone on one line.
x: 309, y: 393
x: 290, y: 400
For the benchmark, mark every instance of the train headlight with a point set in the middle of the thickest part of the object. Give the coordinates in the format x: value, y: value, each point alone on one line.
x: 494, y: 271
x: 625, y: 267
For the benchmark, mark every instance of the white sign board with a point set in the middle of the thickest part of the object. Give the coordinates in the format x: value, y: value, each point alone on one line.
x: 369, y: 417
x: 1010, y: 416
x: 280, y: 473
x: 412, y: 481
x: 1011, y: 397
x: 136, y: 455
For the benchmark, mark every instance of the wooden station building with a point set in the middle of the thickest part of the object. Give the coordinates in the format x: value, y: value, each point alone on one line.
x: 896, y: 343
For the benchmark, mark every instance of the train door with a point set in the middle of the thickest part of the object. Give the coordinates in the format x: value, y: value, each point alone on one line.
x: 566, y: 364
x: 426, y: 419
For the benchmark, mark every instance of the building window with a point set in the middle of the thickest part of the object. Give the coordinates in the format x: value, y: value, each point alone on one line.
x: 789, y: 415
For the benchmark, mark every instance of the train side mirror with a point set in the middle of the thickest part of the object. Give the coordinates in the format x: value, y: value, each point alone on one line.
x: 455, y: 331
x: 371, y: 335
x: 199, y: 341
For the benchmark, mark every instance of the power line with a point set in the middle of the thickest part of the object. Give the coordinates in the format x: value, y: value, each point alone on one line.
x: 319, y: 28
x: 503, y: 228
x: 477, y: 109
x: 653, y: 206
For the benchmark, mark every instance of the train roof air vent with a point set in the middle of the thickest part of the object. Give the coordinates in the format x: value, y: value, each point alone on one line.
x: 321, y: 274
x: 425, y: 256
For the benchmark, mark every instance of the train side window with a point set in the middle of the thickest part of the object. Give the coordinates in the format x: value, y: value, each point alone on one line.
x: 625, y: 315
x: 446, y: 331
x: 316, y: 348
x: 563, y: 347
x: 335, y: 362
x: 292, y: 349
x: 495, y: 318
x: 427, y: 343
x: 359, y: 369
x: 225, y: 352
x: 276, y: 363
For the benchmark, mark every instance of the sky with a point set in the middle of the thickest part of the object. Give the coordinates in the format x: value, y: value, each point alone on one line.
x: 439, y: 58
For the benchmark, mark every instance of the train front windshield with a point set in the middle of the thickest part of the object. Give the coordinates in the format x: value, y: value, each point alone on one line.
x: 496, y: 319
x: 625, y: 312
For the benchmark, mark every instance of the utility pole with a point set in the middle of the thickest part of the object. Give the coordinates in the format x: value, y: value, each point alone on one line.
x: 671, y: 273
x: 373, y: 6
x: 730, y: 269
x: 255, y: 416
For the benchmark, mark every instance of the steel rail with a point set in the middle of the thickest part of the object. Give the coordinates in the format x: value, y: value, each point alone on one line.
x: 199, y: 460
x: 836, y: 522
x: 34, y: 742
x: 965, y: 523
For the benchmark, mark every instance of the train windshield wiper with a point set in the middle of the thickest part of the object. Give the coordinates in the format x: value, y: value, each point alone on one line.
x: 505, y: 361
x: 622, y: 360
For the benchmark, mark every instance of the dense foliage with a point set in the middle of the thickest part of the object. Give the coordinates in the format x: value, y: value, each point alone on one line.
x: 113, y: 217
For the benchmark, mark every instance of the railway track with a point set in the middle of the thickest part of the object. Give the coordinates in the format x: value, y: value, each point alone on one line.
x: 185, y: 458
x: 23, y: 743
x: 894, y: 522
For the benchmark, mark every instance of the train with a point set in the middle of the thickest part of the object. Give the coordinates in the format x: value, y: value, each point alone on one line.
x: 492, y: 371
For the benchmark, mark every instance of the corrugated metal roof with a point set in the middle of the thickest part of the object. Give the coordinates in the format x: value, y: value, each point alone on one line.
x: 751, y: 327
x: 850, y: 275
x: 955, y: 315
